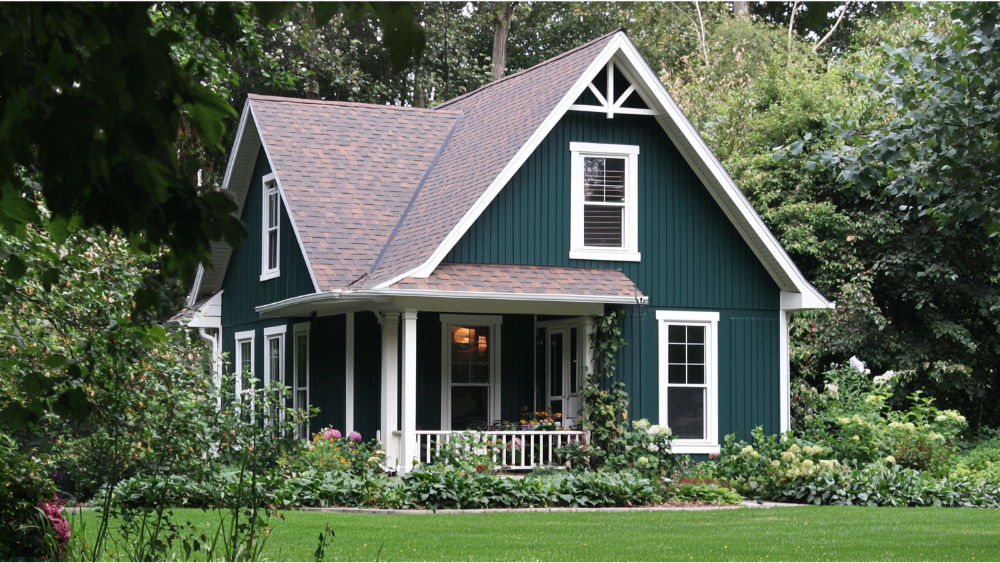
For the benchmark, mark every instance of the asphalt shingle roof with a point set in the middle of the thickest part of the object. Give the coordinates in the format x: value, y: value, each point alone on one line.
x: 542, y: 280
x: 348, y: 171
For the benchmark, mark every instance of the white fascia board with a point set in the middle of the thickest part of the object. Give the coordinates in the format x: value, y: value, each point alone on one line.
x: 236, y: 145
x: 427, y: 268
x: 794, y: 301
x: 196, y: 286
x: 376, y: 295
x: 721, y: 177
x: 284, y: 199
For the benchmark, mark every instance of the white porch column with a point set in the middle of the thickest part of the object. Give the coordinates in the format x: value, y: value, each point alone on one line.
x: 784, y: 375
x: 349, y: 377
x: 390, y: 396
x: 407, y: 449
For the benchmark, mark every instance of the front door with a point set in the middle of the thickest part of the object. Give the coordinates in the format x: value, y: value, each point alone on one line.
x: 564, y: 370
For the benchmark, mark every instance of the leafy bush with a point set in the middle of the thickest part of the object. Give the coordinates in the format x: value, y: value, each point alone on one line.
x: 979, y: 460
x: 331, y: 451
x: 851, y: 418
x: 24, y: 485
x: 703, y: 492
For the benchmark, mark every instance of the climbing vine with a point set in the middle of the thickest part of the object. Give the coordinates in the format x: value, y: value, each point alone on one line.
x: 603, y: 394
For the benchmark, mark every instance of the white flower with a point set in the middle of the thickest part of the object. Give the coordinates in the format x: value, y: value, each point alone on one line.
x: 654, y: 430
x: 833, y: 389
x: 641, y: 424
x: 746, y: 450
x: 890, y: 459
x: 884, y: 378
x: 653, y: 448
x: 857, y: 364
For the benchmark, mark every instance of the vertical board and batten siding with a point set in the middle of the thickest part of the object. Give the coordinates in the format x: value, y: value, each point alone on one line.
x: 693, y: 258
x: 367, y: 374
x: 243, y: 289
x: 328, y: 371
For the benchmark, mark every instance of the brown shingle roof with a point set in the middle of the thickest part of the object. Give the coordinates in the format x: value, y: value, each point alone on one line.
x: 497, y: 121
x: 348, y: 171
x: 546, y: 280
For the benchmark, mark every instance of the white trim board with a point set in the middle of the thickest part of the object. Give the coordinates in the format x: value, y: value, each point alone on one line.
x: 689, y: 142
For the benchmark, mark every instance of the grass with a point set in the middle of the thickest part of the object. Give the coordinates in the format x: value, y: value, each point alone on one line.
x: 775, y: 534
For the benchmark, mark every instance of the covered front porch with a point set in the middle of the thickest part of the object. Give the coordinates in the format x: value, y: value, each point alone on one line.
x: 423, y: 364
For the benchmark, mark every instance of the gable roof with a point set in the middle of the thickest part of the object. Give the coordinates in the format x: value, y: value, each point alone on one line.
x: 378, y: 195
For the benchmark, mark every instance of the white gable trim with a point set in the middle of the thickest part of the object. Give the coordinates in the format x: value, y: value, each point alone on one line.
x: 708, y: 169
x: 284, y: 200
x: 536, y: 138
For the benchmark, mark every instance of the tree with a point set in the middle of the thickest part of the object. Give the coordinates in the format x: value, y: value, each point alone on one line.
x: 102, y: 121
x: 502, y: 15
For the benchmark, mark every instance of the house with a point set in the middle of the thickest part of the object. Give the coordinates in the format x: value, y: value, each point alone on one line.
x: 414, y: 272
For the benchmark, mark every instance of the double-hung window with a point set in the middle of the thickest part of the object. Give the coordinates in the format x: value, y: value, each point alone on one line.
x: 271, y: 230
x: 301, y: 383
x: 244, y: 367
x: 604, y: 201
x: 274, y: 368
x: 688, y: 379
x: 470, y: 384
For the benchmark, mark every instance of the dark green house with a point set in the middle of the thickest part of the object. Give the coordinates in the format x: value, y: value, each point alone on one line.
x: 413, y: 272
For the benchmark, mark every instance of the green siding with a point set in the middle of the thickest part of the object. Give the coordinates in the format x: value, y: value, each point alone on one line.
x: 428, y: 371
x: 693, y: 257
x: 243, y: 289
x: 328, y: 371
x: 367, y: 374
x: 517, y: 367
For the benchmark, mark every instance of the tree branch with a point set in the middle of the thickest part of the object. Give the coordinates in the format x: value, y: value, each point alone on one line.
x: 832, y: 29
x: 791, y: 28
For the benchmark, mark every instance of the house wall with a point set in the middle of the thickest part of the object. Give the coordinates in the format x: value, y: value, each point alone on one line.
x: 693, y: 258
x: 243, y: 289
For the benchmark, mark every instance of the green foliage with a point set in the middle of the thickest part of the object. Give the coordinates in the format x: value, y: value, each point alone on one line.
x: 603, y: 394
x: 25, y: 482
x: 853, y: 419
x: 850, y: 447
x: 338, y: 454
x: 713, y: 494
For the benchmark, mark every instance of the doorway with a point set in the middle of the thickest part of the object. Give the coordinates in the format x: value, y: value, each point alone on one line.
x: 565, y: 367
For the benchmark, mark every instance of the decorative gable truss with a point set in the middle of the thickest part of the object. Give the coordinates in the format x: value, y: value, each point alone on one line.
x: 624, y: 97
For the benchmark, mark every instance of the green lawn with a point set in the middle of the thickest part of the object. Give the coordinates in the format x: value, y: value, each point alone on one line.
x: 776, y: 534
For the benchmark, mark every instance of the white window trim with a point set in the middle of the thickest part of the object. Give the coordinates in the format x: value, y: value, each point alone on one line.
x: 447, y: 321
x: 710, y: 445
x: 269, y: 181
x: 630, y: 220
x: 299, y: 330
x: 241, y: 337
x: 274, y: 333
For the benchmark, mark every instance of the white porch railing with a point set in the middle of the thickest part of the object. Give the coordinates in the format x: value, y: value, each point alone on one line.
x: 510, y: 449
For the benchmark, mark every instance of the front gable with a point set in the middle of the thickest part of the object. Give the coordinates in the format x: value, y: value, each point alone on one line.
x: 692, y: 255
x: 243, y: 289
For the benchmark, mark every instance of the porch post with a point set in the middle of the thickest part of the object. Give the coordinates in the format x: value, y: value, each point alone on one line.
x: 407, y: 449
x: 349, y: 379
x: 390, y: 397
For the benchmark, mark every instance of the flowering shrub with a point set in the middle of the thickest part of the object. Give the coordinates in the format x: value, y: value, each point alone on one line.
x: 330, y: 451
x: 794, y: 471
x: 647, y: 447
x: 852, y: 419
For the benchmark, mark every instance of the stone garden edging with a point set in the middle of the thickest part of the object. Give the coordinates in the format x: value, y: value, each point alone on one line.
x: 745, y: 504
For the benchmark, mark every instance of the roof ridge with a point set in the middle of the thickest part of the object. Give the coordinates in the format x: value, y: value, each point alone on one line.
x: 285, y: 99
x: 529, y: 69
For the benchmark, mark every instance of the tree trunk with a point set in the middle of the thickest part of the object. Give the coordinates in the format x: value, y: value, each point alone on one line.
x: 312, y: 83
x: 741, y: 9
x: 501, y: 19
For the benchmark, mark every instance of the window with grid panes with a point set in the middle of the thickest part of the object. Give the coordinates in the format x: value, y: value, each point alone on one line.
x: 686, y: 381
x: 302, y: 377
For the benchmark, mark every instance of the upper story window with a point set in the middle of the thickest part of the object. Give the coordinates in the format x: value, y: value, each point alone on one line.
x: 271, y: 229
x: 605, y: 224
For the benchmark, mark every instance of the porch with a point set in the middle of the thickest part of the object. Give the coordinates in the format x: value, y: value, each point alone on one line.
x: 417, y: 367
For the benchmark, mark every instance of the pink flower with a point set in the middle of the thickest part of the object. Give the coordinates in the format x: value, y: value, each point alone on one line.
x: 331, y: 433
x: 354, y: 436
x: 53, y: 510
x: 517, y: 442
x: 713, y: 456
x: 480, y: 468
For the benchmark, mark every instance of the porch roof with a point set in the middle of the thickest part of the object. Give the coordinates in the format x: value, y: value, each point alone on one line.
x: 543, y: 280
x: 493, y: 288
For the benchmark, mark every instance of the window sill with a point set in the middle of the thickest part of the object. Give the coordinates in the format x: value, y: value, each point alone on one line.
x: 609, y: 255
x: 270, y: 275
x: 694, y: 448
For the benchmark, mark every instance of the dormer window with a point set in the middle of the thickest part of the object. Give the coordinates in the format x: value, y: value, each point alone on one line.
x: 605, y: 202
x: 271, y: 229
